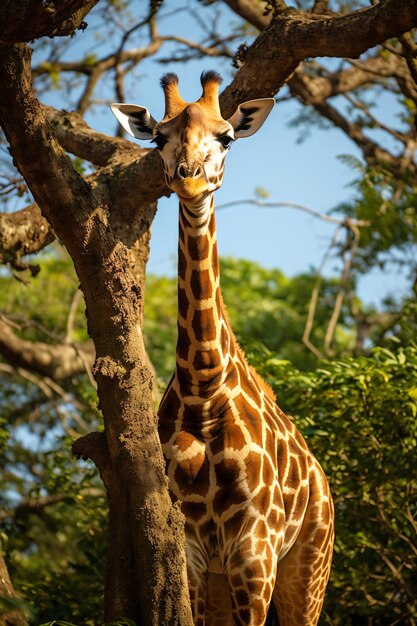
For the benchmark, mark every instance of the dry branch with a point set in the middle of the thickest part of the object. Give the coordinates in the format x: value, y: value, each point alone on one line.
x: 23, y: 232
x: 11, y: 618
x: 58, y: 360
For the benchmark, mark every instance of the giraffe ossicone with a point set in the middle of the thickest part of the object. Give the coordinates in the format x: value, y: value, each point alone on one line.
x: 258, y: 510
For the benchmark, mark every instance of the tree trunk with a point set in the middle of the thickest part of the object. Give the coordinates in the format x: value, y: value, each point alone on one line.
x: 146, y: 572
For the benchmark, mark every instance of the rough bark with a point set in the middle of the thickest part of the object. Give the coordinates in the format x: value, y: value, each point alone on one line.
x: 74, y: 134
x: 23, y: 232
x: 292, y: 36
x: 146, y: 578
x: 25, y: 20
x: 11, y: 618
x: 124, y: 165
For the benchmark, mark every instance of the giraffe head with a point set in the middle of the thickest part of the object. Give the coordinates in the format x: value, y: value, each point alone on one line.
x: 193, y: 138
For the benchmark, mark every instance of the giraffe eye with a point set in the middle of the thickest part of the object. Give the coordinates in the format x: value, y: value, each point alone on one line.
x: 159, y: 140
x: 226, y: 141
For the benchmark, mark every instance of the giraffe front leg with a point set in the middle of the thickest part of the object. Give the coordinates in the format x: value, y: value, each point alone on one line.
x: 197, y: 588
x: 250, y: 566
x: 218, y: 606
x: 197, y: 571
x: 208, y: 586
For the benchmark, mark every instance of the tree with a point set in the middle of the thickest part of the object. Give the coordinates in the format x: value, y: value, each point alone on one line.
x: 88, y: 211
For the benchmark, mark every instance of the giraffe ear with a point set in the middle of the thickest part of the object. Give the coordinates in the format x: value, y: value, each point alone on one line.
x: 249, y: 116
x: 136, y: 120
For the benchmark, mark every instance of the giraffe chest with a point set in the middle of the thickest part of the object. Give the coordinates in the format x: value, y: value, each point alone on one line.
x: 223, y: 455
x: 218, y: 469
x: 212, y: 446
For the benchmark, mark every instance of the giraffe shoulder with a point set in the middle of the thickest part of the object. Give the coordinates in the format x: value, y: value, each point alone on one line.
x: 261, y: 382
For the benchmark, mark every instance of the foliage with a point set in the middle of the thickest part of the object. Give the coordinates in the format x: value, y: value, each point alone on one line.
x: 55, y: 523
x: 160, y: 323
x: 268, y: 307
x: 53, y: 517
x: 388, y: 204
x: 43, y: 302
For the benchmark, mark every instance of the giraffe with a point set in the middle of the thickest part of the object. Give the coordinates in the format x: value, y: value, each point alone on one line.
x: 257, y: 506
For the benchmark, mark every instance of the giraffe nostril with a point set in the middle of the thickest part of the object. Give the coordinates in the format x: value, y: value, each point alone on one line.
x: 182, y: 171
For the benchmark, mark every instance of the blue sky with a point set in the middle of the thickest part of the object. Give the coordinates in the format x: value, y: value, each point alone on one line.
x: 309, y: 173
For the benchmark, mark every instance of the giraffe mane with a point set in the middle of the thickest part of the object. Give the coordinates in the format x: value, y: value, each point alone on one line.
x: 262, y: 383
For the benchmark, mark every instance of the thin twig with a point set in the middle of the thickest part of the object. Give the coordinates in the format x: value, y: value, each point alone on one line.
x: 391, y: 131
x: 20, y: 371
x: 314, y: 297
x: 291, y: 205
x: 351, y: 247
x: 37, y: 505
x: 71, y: 314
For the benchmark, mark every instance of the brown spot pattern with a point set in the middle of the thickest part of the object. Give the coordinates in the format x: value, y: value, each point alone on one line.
x: 200, y: 285
x: 204, y: 325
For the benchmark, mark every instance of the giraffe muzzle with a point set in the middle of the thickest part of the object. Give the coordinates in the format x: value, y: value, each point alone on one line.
x: 190, y: 180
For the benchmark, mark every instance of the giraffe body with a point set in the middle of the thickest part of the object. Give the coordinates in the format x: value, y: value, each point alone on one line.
x: 259, y: 514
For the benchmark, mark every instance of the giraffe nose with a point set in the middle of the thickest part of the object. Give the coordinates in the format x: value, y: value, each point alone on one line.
x: 189, y: 171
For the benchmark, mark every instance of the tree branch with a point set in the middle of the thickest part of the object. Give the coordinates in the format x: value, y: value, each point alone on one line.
x: 293, y: 36
x: 332, y: 84
x: 305, y: 89
x: 12, y: 617
x: 23, y: 232
x: 75, y: 136
x: 37, y: 505
x: 54, y: 183
x: 410, y: 49
x: 250, y: 11
x: 291, y: 205
x: 25, y: 20
x: 315, y: 296
x: 58, y: 360
x: 125, y: 165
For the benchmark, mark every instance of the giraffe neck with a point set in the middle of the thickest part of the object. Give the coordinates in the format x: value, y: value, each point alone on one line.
x: 203, y: 346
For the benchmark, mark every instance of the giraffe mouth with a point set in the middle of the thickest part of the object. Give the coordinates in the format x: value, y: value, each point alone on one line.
x: 190, y: 188
x: 197, y: 204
